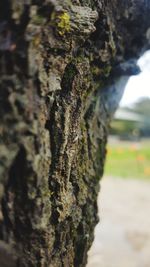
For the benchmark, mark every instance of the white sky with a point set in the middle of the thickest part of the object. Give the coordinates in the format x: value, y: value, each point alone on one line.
x: 138, y: 86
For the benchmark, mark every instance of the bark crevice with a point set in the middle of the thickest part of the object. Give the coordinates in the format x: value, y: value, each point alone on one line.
x: 61, y: 63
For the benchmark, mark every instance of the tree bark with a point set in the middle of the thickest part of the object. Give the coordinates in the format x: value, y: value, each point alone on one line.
x: 59, y: 63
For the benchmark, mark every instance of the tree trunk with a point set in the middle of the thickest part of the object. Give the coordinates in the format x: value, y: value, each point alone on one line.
x: 60, y: 62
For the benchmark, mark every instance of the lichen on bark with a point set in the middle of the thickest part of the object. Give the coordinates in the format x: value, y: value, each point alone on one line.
x: 57, y: 60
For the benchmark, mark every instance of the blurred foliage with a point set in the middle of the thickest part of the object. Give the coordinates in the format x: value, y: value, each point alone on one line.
x: 128, y: 159
x: 134, y: 129
x: 142, y: 106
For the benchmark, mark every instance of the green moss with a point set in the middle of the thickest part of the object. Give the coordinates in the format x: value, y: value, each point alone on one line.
x: 69, y: 75
x: 36, y: 40
x: 63, y: 23
x: 107, y: 70
x: 38, y: 20
x: 96, y: 71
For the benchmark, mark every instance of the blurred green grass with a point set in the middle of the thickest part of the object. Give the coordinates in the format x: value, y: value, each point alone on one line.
x: 128, y: 160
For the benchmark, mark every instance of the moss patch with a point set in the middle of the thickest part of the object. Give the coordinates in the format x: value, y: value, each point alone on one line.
x: 63, y: 23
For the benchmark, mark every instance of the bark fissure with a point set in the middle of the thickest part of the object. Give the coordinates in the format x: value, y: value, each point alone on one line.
x: 60, y: 64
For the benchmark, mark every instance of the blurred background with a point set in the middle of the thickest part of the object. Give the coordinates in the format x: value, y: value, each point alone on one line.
x: 122, y: 238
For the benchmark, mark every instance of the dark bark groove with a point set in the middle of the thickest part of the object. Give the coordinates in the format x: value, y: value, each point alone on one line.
x: 60, y: 64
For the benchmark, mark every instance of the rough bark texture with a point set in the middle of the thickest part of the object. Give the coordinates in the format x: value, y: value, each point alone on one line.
x: 58, y: 60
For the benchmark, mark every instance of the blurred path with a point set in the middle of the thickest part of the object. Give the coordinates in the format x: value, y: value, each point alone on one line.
x: 122, y: 239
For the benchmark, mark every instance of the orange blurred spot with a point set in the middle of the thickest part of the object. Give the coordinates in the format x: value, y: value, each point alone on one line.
x: 108, y: 151
x: 133, y: 147
x: 147, y: 171
x: 140, y: 158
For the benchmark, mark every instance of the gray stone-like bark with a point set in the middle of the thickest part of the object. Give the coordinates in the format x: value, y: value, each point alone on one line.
x: 60, y: 62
